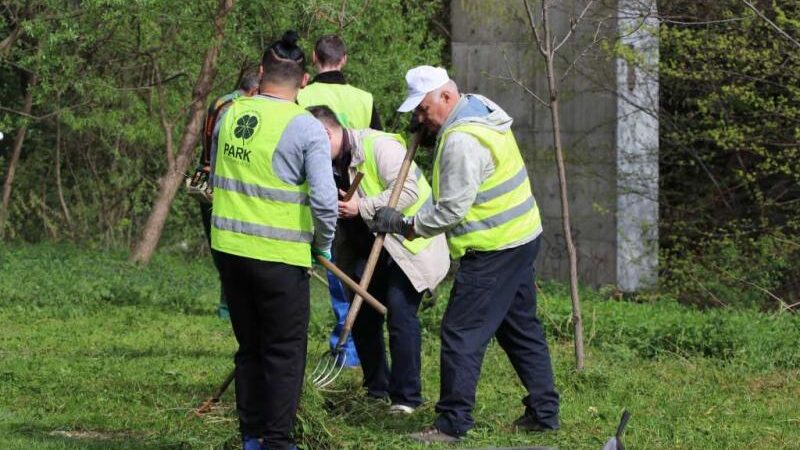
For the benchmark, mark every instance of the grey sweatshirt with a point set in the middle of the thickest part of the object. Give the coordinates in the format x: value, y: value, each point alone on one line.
x: 303, y: 154
x: 463, y: 165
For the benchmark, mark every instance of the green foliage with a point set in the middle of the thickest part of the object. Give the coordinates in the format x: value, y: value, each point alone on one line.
x: 111, y: 74
x: 737, y: 271
x: 664, y: 329
x: 64, y: 276
x: 729, y: 151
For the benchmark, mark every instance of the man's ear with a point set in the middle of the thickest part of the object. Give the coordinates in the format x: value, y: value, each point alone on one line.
x: 447, y: 96
x: 306, y: 78
x: 344, y: 60
x: 314, y: 58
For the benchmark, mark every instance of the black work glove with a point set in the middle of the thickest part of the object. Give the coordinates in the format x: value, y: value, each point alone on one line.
x: 390, y: 220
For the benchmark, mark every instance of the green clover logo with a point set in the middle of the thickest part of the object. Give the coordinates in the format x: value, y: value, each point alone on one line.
x: 245, y: 126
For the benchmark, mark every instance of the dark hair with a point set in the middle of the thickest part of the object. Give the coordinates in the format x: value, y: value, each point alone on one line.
x: 325, y: 115
x: 283, y: 72
x: 286, y: 49
x: 283, y: 61
x: 249, y: 80
x: 330, y: 50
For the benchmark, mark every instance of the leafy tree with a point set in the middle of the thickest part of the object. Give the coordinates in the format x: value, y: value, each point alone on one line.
x: 729, y: 145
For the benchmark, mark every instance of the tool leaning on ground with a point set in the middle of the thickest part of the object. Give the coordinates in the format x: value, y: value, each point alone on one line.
x: 329, y: 372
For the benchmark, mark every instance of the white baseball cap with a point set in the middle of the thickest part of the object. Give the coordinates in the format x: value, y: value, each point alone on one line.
x: 421, y: 80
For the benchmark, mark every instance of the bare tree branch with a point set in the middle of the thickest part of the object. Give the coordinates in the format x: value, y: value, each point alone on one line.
x: 573, y: 24
x: 532, y: 23
x: 512, y: 78
x: 166, y: 124
x: 44, y: 116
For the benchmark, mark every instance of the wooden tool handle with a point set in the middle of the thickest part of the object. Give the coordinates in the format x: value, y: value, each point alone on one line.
x: 375, y: 253
x: 353, y: 186
x: 360, y: 291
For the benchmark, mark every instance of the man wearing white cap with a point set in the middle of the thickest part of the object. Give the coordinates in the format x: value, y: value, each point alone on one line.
x: 483, y: 203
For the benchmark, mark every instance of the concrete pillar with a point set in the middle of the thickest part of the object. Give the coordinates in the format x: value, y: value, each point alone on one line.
x: 637, y: 146
x: 607, y: 139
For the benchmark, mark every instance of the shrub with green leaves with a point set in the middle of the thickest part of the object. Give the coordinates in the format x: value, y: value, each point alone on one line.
x: 112, y: 74
x: 729, y: 151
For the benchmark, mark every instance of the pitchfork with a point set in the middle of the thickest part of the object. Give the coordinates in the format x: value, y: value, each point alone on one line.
x: 329, y: 369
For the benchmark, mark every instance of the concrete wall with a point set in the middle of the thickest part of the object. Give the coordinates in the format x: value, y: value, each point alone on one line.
x: 491, y: 44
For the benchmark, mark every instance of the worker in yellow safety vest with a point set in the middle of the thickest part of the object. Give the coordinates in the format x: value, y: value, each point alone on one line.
x: 482, y: 202
x: 406, y: 268
x: 354, y: 109
x: 274, y: 206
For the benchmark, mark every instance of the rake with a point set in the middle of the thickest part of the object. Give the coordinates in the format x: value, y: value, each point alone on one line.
x: 328, y: 370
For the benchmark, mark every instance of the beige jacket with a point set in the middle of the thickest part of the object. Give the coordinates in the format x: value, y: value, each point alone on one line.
x: 426, y: 269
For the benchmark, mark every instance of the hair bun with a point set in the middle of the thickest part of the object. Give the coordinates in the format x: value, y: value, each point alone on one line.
x: 290, y: 38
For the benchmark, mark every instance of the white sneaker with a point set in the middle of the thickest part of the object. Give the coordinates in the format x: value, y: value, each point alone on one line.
x: 397, y: 408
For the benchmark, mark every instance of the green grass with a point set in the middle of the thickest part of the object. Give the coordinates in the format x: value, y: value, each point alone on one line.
x: 96, y: 354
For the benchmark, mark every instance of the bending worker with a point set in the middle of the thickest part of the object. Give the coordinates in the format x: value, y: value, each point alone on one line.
x: 274, y: 205
x: 483, y: 203
x: 355, y: 109
x: 405, y: 268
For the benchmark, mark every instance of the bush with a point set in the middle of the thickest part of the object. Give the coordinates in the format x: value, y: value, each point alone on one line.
x: 734, y: 270
x: 653, y: 330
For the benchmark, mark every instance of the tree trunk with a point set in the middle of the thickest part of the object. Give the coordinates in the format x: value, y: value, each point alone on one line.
x: 16, y: 152
x: 59, y: 184
x: 577, y: 321
x: 549, y: 53
x: 171, y: 181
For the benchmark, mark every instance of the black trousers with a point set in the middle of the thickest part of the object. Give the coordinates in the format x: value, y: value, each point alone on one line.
x: 494, y: 295
x: 402, y: 383
x: 269, y: 307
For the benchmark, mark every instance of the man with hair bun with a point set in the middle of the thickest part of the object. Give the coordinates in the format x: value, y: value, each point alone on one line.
x: 274, y: 207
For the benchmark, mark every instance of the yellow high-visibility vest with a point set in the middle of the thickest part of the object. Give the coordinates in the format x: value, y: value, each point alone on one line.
x: 353, y: 106
x: 373, y: 185
x: 255, y: 213
x: 504, y: 211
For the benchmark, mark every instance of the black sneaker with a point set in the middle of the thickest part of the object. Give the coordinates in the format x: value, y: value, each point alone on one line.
x: 432, y: 435
x: 528, y: 423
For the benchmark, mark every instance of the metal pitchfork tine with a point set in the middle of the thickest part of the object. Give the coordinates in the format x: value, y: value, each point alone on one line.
x: 326, y: 377
x: 337, y: 357
x: 328, y: 369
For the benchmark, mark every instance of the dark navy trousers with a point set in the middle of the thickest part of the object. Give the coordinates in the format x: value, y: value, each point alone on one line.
x: 494, y: 295
x: 391, y: 286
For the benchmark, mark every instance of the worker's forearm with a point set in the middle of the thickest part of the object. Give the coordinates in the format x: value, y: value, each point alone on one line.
x: 323, y: 195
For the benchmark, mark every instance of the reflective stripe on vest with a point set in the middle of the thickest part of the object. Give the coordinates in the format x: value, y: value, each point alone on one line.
x: 353, y: 106
x: 372, y: 184
x: 255, y: 213
x: 504, y: 210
